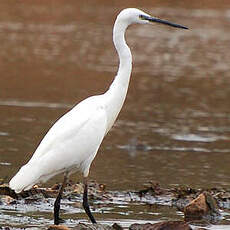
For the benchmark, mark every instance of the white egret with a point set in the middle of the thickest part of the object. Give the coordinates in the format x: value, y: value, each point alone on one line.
x: 73, y: 141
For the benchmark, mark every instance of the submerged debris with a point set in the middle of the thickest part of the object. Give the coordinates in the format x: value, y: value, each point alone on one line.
x: 82, y: 226
x: 95, y: 190
x: 152, y: 188
x: 167, y: 225
x: 195, y: 203
x: 7, y: 191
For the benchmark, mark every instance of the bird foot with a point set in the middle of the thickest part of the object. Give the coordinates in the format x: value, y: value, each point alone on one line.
x: 58, y: 221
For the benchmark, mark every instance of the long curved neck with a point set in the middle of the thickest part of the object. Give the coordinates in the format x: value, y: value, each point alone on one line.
x: 124, y: 53
x: 116, y: 94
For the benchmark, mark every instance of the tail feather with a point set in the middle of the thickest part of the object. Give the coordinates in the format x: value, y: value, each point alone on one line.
x: 26, y: 177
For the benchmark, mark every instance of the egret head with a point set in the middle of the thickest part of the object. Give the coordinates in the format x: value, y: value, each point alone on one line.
x: 136, y: 16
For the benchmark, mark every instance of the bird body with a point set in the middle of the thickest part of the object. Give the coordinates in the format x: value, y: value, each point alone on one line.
x: 73, y: 141
x: 70, y: 145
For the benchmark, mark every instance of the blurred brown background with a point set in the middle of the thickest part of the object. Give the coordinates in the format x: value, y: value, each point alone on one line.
x: 174, y: 126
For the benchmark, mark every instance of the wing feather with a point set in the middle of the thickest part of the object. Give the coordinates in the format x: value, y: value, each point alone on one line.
x: 71, y: 144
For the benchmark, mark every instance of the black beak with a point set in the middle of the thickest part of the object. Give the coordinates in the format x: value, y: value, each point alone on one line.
x: 158, y: 20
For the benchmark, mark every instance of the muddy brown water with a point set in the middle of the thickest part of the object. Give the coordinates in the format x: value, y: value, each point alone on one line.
x: 175, y: 124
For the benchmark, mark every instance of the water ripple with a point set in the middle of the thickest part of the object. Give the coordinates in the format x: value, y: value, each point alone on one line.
x: 34, y: 104
x: 196, y: 138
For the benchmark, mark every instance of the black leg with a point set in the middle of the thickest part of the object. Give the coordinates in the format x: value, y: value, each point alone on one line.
x: 57, y: 202
x: 85, y: 202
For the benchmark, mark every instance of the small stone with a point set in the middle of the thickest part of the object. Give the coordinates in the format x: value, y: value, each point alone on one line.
x: 6, y: 190
x: 35, y: 186
x: 82, y: 226
x: 116, y: 226
x: 102, y: 187
x: 58, y: 227
x: 8, y: 200
x: 167, y: 225
x: 78, y: 188
x: 55, y: 187
x: 200, y: 207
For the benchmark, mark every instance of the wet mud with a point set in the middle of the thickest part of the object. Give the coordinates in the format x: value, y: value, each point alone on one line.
x: 199, y: 207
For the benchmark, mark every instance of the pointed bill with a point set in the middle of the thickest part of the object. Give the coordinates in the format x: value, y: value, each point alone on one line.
x: 165, y: 22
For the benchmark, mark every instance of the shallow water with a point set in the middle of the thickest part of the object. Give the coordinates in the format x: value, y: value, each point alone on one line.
x: 175, y: 125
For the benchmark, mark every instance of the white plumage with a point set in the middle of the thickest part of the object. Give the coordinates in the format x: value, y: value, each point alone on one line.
x: 73, y: 141
x: 70, y: 145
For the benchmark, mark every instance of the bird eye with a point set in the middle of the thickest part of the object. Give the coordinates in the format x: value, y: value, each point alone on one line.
x: 142, y: 17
